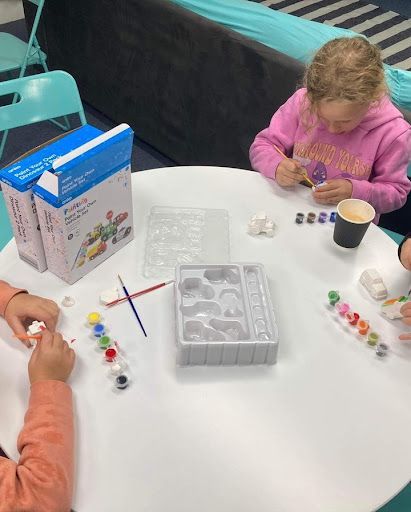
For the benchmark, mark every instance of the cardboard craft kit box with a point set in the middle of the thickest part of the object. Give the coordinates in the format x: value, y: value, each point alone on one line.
x: 17, y: 181
x: 84, y: 204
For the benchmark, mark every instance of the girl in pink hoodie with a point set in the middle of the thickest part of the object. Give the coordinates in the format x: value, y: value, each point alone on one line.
x: 42, y: 479
x: 342, y: 129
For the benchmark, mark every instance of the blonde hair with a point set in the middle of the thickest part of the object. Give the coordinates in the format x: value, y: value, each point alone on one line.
x: 345, y: 69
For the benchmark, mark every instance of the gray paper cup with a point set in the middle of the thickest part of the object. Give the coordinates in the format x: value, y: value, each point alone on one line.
x: 353, y: 218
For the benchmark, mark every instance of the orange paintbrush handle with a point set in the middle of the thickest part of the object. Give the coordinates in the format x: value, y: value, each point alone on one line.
x: 27, y: 336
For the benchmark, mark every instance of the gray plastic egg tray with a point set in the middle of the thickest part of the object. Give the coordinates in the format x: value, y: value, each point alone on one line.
x: 224, y: 315
x: 184, y: 235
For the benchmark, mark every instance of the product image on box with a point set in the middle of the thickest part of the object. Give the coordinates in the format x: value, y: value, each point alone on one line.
x: 224, y: 315
x: 85, y: 204
x: 18, y: 180
x: 95, y: 242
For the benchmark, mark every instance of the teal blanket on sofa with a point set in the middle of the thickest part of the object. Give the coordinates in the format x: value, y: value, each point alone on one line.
x: 296, y: 37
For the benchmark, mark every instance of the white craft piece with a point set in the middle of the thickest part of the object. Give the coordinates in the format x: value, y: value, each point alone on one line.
x: 224, y: 315
x: 260, y: 223
x: 109, y: 295
x: 36, y: 328
x: 68, y: 301
x: 373, y: 283
x: 391, y: 307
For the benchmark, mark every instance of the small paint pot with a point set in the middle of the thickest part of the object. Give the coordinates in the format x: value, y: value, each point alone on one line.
x: 311, y: 217
x: 116, y: 368
x: 104, y: 342
x: 299, y: 219
x: 333, y: 216
x: 372, y: 339
x: 381, y: 349
x: 342, y: 308
x: 363, y: 326
x: 93, y: 318
x: 99, y: 330
x: 352, y: 318
x: 322, y: 217
x: 110, y: 354
x: 121, y: 382
x: 333, y: 297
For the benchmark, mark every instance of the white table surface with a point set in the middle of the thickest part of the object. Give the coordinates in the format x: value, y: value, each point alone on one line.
x: 326, y: 429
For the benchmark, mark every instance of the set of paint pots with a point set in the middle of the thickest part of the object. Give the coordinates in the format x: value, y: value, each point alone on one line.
x: 361, y: 325
x: 323, y: 217
x: 111, y: 350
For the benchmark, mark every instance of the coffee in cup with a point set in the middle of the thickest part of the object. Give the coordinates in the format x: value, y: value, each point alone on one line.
x: 353, y: 218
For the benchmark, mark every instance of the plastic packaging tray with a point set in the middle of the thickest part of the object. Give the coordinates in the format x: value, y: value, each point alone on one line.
x: 224, y: 315
x: 185, y: 235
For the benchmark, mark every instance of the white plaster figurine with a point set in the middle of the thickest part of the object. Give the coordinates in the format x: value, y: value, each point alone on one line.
x: 373, y: 283
x: 260, y: 223
x: 34, y: 329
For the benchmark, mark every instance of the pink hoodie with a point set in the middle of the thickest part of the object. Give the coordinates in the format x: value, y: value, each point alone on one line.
x: 374, y: 156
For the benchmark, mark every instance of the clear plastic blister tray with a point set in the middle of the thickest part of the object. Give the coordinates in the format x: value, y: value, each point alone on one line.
x: 185, y: 235
x: 224, y: 315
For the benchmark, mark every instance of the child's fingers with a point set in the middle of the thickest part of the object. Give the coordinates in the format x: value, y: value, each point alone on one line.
x: 332, y: 199
x: 18, y: 328
x: 327, y: 187
x: 406, y: 320
x: 45, y: 313
x: 406, y: 309
x: 405, y: 337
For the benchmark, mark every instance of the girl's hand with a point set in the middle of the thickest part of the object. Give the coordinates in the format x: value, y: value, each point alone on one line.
x: 333, y: 192
x: 406, y: 254
x: 289, y: 173
x: 23, y: 308
x: 406, y: 312
x: 52, y: 359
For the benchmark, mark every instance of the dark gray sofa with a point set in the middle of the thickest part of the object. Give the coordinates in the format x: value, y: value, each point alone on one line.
x: 191, y: 88
x: 194, y: 90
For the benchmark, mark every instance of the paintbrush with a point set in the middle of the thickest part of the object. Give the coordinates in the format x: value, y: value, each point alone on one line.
x: 138, y: 294
x: 27, y: 336
x: 305, y: 176
x: 132, y: 305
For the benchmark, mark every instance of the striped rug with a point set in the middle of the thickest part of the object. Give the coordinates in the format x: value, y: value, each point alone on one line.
x: 388, y: 29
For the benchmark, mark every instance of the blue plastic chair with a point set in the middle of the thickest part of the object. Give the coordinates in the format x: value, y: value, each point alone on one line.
x: 39, y: 98
x: 16, y: 54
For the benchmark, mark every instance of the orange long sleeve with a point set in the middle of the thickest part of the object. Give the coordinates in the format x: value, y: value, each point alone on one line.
x: 6, y: 293
x: 42, y: 480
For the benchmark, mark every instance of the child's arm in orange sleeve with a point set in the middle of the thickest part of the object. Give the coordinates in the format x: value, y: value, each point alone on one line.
x: 42, y: 480
x: 7, y: 292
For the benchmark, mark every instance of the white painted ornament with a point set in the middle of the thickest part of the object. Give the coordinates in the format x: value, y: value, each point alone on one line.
x: 260, y: 223
x: 110, y: 295
x: 68, y: 301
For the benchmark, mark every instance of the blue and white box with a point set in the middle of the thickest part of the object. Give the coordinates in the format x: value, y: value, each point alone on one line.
x: 84, y: 204
x: 17, y: 181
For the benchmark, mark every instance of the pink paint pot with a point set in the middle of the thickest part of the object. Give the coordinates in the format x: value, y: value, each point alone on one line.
x: 342, y: 308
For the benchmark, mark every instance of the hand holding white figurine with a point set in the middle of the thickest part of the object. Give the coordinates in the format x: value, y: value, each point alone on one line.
x: 406, y: 313
x: 333, y: 191
x: 23, y: 308
x: 52, y: 359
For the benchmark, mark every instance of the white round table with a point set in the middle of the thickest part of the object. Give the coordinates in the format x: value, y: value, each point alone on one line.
x: 326, y: 429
